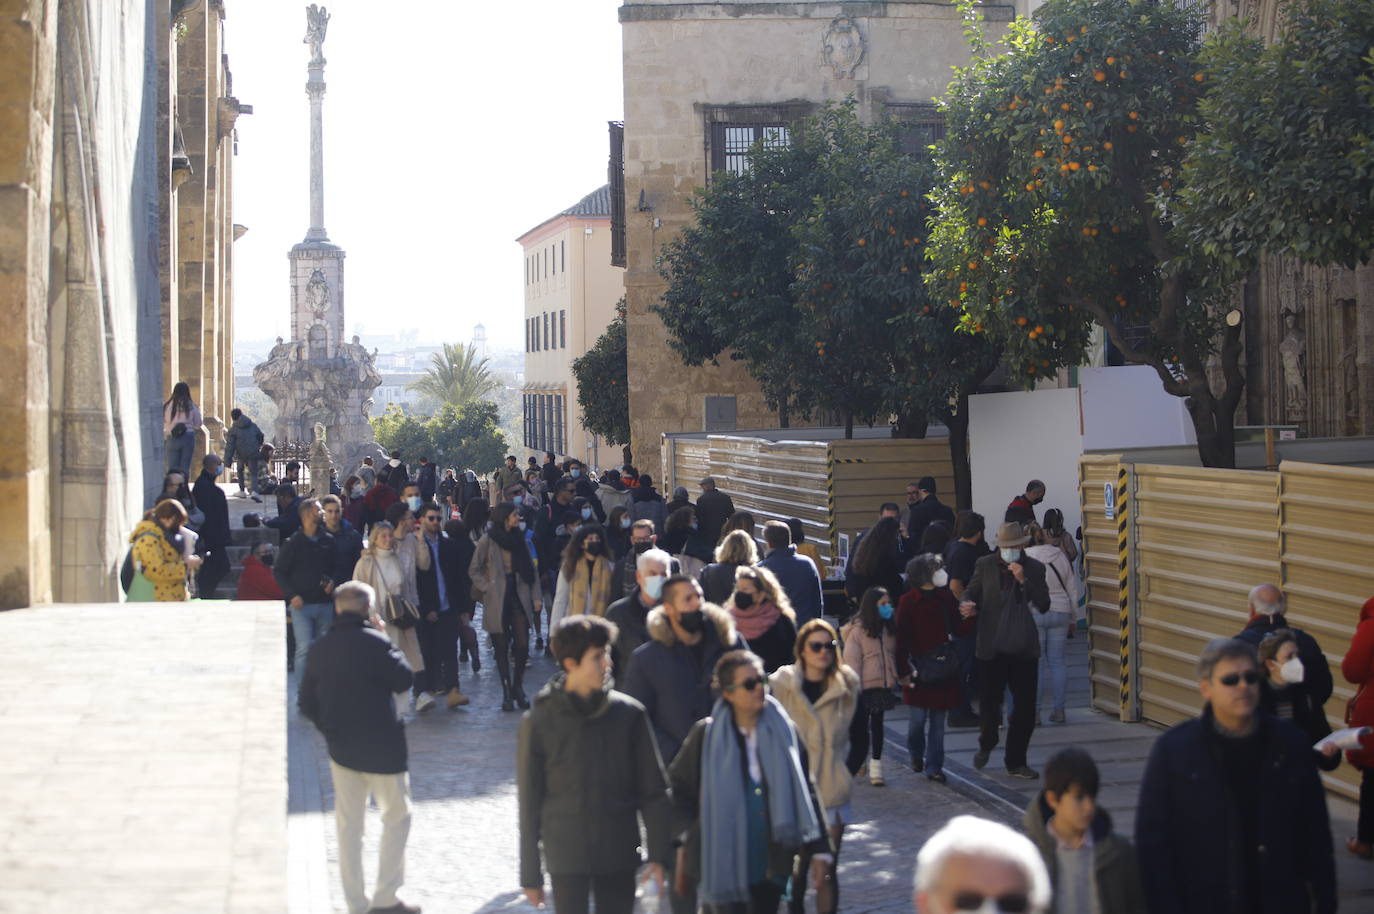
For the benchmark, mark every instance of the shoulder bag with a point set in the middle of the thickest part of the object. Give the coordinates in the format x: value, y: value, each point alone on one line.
x: 1016, y: 632
x: 396, y: 609
x: 940, y: 665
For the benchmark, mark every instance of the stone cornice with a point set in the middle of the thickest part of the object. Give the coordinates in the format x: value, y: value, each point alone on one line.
x: 867, y: 9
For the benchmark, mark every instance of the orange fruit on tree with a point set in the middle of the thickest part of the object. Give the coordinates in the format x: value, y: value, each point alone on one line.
x: 1074, y: 166
x: 1058, y: 125
x: 1198, y: 77
x: 1100, y: 75
x: 1134, y: 115
x: 1110, y: 61
x: 982, y: 221
x: 1107, y: 145
x: 1021, y: 322
x: 1039, y: 153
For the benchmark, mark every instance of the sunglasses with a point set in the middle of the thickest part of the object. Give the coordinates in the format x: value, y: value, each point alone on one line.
x: 816, y: 647
x: 748, y: 685
x: 1010, y: 903
x: 1230, y: 679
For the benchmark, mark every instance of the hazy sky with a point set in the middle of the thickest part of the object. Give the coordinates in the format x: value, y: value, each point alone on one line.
x: 449, y: 131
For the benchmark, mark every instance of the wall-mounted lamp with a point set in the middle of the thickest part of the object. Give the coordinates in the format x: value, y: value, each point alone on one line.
x: 644, y: 206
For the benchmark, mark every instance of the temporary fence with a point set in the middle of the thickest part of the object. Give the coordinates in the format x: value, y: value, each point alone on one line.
x: 1171, y: 553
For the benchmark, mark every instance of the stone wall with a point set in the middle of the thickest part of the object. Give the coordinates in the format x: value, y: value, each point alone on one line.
x: 688, y: 64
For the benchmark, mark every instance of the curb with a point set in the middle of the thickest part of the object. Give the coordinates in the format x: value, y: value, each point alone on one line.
x: 996, y: 798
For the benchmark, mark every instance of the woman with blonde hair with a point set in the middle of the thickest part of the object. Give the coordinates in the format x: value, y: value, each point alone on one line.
x: 718, y: 578
x: 763, y: 615
x: 382, y: 567
x: 820, y: 694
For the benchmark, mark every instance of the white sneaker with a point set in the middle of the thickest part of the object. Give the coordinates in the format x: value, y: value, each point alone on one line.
x: 424, y: 701
x: 875, y: 773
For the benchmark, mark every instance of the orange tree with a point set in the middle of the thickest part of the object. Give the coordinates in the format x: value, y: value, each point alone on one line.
x: 1286, y: 161
x: 1060, y: 181
x: 603, y: 383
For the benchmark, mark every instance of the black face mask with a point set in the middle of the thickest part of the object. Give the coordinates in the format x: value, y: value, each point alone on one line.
x: 593, y: 548
x: 744, y: 600
x: 268, y: 559
x: 641, y: 548
x: 692, y: 622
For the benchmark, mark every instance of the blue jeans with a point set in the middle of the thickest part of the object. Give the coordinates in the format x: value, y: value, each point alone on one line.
x: 179, y: 453
x: 932, y: 751
x: 310, y: 622
x: 1053, y: 628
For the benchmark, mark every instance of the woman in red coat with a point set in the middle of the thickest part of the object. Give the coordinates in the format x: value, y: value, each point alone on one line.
x: 1358, y: 668
x: 256, y: 582
x: 927, y: 616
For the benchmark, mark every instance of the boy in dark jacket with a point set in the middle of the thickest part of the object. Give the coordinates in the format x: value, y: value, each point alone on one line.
x: 587, y: 763
x: 1084, y: 857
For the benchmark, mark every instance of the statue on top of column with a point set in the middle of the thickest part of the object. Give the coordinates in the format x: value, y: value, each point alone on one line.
x: 316, y: 22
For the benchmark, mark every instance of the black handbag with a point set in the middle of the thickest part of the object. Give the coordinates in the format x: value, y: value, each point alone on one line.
x: 179, y: 429
x: 940, y: 665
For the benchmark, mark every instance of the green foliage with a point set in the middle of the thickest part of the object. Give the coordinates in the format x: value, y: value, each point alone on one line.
x: 1060, y: 180
x: 466, y: 437
x: 603, y: 382
x: 456, y: 376
x: 1286, y: 162
x: 807, y: 268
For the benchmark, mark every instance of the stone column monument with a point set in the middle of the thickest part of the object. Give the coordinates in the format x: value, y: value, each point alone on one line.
x: 315, y: 378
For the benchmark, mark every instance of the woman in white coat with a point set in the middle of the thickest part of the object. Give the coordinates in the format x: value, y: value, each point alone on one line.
x: 383, y: 567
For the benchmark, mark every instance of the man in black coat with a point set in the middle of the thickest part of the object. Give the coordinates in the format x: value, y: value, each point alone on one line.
x: 288, y: 519
x: 305, y: 573
x: 926, y: 511
x: 427, y: 476
x: 445, y: 592
x: 351, y: 677
x: 714, y: 508
x: 213, y: 545
x: 1266, y: 617
x: 1232, y: 815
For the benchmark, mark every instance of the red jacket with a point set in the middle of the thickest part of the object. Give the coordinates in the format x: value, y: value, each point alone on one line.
x: 1358, y: 669
x: 920, y: 630
x: 257, y: 582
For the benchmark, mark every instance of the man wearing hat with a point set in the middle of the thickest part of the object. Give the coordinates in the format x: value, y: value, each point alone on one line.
x: 926, y: 510
x: 1006, y: 588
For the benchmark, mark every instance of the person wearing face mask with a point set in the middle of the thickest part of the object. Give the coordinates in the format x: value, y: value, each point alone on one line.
x: 584, y: 578
x: 1284, y: 694
x: 671, y: 672
x: 682, y: 539
x: 617, y: 534
x: 1007, y: 589
x: 718, y: 578
x: 870, y: 650
x: 447, y: 493
x: 412, y: 499
x: 382, y: 568
x: 642, y: 539
x: 1054, y: 626
x: 256, y: 581
x: 1022, y: 507
x: 504, y: 581
x: 1267, y: 603
x: 763, y: 615
x: 631, y: 613
x: 354, y: 504
x: 927, y: 618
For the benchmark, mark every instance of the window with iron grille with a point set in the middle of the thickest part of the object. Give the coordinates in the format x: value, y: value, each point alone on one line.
x: 562, y: 330
x: 923, y: 126
x: 546, y: 331
x: 615, y: 174
x: 731, y: 143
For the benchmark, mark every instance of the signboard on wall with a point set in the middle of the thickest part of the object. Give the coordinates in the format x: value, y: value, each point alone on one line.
x: 1108, y: 501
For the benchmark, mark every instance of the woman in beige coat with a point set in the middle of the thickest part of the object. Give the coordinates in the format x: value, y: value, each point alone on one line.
x: 504, y: 582
x: 820, y: 694
x: 383, y: 567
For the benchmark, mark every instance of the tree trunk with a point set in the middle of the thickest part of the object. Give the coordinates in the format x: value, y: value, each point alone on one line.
x: 1215, y: 430
x: 911, y: 425
x: 849, y: 425
x: 629, y: 457
x: 957, y: 422
x: 784, y: 420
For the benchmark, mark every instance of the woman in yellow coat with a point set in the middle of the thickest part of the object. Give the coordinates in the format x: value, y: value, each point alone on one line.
x: 158, y: 555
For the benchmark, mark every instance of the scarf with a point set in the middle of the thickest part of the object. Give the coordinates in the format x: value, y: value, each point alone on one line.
x: 792, y: 819
x: 513, y: 541
x: 600, y: 574
x: 755, y: 621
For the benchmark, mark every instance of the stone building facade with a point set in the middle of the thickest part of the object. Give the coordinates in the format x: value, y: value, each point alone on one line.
x: 702, y: 81
x: 571, y: 291
x: 116, y: 145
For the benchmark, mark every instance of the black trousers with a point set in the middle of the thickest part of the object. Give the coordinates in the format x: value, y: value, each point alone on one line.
x: 763, y: 899
x: 865, y: 733
x: 439, y: 648
x: 1002, y: 672
x: 615, y: 892
x: 213, y: 569
x: 1364, y: 828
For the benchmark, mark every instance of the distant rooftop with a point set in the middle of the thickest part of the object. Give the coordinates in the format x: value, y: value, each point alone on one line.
x: 595, y: 204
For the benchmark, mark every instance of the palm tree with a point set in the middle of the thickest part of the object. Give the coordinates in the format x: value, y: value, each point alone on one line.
x: 457, y: 376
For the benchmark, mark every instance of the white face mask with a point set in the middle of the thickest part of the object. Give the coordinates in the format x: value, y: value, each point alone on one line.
x: 413, y: 503
x: 1011, y: 555
x: 940, y: 578
x: 1291, y: 671
x: 358, y: 491
x: 653, y: 586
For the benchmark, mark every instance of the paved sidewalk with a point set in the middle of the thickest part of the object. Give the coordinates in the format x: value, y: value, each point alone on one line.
x: 142, y: 751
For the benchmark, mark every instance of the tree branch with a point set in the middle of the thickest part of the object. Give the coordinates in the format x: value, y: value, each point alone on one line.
x: 1104, y: 319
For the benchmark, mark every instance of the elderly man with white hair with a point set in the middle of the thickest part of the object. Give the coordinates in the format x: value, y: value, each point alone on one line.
x: 1267, y: 603
x: 976, y: 865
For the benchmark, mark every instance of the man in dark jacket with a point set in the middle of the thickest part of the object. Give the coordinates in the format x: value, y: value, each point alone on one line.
x: 1022, y: 507
x: 243, y: 442
x: 394, y: 473
x: 305, y: 573
x: 647, y: 504
x: 213, y: 545
x: 671, y: 673
x: 1232, y: 815
x: 796, y: 573
x: 642, y: 539
x: 1266, y: 617
x: 587, y: 770
x: 926, y: 511
x: 288, y: 519
x: 427, y: 476
x: 348, y: 540
x: 351, y: 676
x: 551, y: 471
x: 961, y: 556
x: 630, y: 613
x: 714, y: 508
x: 445, y: 592
x: 1006, y: 588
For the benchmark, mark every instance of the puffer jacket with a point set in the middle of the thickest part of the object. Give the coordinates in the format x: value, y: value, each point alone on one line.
x: 162, y: 563
x: 584, y: 769
x: 1358, y: 669
x: 1117, y: 874
x: 823, y: 727
x: 874, y: 659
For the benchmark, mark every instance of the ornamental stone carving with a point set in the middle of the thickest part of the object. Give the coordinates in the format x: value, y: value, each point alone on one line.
x: 843, y: 47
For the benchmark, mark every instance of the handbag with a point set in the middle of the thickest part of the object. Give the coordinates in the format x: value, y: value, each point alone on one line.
x: 1016, y: 633
x: 941, y: 664
x: 878, y: 700
x: 398, y: 611
x: 179, y: 429
x: 141, y: 589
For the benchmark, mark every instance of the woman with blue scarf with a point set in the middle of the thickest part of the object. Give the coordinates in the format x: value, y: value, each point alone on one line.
x: 742, y: 798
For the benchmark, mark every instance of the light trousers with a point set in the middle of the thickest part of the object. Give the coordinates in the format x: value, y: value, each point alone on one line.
x: 392, y: 793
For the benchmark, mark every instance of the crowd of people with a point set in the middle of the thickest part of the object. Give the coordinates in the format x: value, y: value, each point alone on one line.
x: 707, y: 720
